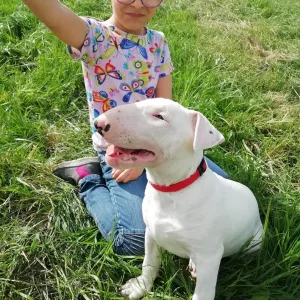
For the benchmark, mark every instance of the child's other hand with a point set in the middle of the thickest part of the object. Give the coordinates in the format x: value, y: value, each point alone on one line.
x: 126, y: 175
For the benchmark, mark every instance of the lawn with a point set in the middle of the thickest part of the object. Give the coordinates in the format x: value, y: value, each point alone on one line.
x: 237, y: 61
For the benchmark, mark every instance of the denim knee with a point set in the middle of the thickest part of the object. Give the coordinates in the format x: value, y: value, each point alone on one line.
x: 129, y: 242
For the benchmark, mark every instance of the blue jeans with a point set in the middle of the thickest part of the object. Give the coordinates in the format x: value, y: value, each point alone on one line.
x: 117, y: 207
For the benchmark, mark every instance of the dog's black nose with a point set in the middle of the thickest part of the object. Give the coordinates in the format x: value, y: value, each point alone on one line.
x: 107, y: 127
x: 99, y: 126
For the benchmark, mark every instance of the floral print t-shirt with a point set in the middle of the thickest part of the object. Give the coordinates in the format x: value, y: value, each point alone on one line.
x: 120, y: 68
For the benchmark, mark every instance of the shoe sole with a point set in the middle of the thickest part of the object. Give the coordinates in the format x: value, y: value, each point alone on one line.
x: 77, y: 162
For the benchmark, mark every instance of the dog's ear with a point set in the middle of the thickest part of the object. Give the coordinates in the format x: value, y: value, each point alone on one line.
x: 205, y: 134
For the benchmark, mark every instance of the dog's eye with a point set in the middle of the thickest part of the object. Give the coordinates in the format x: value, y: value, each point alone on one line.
x: 159, y: 117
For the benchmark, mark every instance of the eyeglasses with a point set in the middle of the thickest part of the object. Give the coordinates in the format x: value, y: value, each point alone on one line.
x: 146, y: 3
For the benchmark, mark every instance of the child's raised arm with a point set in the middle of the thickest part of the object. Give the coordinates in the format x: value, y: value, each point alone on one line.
x: 63, y: 22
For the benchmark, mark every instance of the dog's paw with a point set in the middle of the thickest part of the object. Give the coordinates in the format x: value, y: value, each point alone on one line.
x: 192, y: 269
x: 136, y: 288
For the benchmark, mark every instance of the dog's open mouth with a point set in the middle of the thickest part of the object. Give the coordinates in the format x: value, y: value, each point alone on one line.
x: 133, y: 155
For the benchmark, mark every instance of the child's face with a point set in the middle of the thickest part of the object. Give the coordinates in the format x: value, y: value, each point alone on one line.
x: 133, y: 17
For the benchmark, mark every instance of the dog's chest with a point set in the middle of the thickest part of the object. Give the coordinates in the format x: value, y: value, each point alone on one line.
x: 166, y: 225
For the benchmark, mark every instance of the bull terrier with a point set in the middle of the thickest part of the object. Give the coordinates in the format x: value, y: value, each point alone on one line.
x: 188, y: 210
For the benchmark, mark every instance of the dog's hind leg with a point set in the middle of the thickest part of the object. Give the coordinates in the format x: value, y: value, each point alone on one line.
x: 256, y: 241
x: 192, y: 269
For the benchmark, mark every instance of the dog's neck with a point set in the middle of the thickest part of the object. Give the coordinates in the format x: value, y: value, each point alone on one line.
x: 174, y: 170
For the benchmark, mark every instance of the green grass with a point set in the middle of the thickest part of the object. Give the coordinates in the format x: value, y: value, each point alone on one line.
x: 237, y: 61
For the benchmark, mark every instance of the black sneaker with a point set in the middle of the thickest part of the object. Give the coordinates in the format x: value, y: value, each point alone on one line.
x: 74, y: 170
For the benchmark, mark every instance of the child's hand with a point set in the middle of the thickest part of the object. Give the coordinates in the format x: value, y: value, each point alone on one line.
x: 126, y: 175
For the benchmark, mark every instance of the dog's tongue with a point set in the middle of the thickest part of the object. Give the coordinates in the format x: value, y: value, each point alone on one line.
x: 113, y: 150
x: 124, y: 154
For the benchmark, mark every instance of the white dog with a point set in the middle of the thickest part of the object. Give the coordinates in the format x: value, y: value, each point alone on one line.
x: 188, y: 210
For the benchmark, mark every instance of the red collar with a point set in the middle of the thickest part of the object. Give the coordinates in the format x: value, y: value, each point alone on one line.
x: 184, y: 183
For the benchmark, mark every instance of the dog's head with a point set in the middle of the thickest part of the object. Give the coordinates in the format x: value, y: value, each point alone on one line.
x: 147, y: 133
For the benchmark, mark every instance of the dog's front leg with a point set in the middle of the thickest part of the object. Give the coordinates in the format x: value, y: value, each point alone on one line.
x: 135, y: 288
x: 207, y: 266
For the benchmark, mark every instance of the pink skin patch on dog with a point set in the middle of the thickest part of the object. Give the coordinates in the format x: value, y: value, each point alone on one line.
x: 82, y: 172
x: 133, y: 155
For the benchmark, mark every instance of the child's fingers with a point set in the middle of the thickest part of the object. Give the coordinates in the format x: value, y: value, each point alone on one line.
x: 123, y: 176
x: 132, y: 175
x: 126, y: 175
x: 115, y: 173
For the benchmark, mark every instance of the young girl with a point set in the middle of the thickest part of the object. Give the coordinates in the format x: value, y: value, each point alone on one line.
x: 123, y: 62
